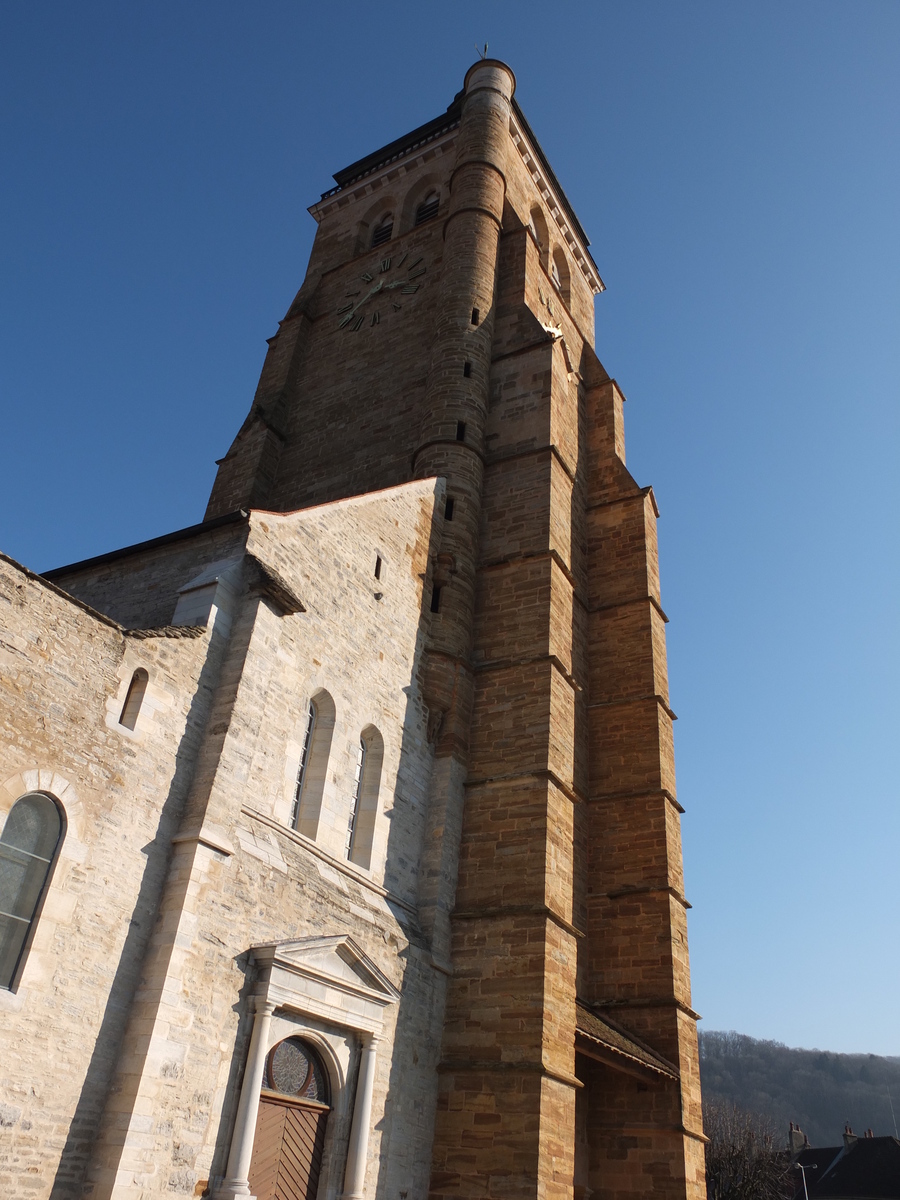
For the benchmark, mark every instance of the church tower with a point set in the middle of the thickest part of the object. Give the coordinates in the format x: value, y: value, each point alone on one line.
x: 338, y: 832
x: 445, y: 329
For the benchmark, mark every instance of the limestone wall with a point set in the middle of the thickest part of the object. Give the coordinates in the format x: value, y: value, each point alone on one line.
x: 65, y: 672
x: 242, y: 876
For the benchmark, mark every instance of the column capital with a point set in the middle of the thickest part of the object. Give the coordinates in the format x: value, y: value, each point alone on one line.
x: 262, y: 1006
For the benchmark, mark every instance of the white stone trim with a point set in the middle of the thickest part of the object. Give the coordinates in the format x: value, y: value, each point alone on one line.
x: 331, y: 981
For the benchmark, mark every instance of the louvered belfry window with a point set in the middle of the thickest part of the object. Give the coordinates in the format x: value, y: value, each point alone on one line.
x: 383, y: 230
x: 28, y: 846
x: 428, y: 208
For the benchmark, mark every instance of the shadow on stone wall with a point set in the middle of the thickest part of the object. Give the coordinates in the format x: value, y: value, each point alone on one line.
x: 99, y: 1087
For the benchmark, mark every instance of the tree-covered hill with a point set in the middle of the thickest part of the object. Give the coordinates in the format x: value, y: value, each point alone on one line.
x: 818, y: 1090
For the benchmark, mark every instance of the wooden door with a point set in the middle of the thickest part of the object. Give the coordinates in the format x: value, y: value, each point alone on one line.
x: 287, y: 1149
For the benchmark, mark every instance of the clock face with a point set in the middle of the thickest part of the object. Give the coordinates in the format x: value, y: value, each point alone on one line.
x: 381, y: 291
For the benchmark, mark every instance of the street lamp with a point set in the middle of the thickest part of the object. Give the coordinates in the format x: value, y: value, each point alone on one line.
x: 803, y: 1168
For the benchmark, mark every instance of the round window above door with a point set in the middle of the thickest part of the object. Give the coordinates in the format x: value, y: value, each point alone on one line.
x: 293, y: 1068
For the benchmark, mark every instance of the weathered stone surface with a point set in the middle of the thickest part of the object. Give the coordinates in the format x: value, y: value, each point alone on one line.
x: 426, y: 527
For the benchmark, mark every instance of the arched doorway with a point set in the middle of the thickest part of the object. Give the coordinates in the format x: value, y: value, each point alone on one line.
x: 290, y: 1128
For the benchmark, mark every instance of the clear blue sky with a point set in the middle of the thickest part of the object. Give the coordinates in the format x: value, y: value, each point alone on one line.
x: 736, y: 168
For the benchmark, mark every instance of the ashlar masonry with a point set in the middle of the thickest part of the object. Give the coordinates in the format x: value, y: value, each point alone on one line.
x: 339, y: 840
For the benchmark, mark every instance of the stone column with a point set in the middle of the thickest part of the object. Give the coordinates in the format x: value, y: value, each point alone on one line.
x: 357, y: 1152
x: 237, y: 1182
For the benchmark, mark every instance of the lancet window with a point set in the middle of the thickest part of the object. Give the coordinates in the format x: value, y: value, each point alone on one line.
x: 29, y: 845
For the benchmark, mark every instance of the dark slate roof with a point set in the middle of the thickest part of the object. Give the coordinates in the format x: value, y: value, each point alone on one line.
x: 416, y: 137
x: 140, y: 547
x: 613, y: 1038
x: 817, y: 1160
x: 869, y: 1170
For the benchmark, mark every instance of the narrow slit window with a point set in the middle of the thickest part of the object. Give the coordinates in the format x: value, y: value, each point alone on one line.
x: 304, y: 763
x: 134, y: 698
x: 378, y: 566
x: 467, y: 370
x: 435, y: 599
x: 428, y: 208
x: 28, y: 848
x: 448, y: 509
x: 357, y: 797
x: 384, y: 230
x: 460, y: 431
x: 476, y: 316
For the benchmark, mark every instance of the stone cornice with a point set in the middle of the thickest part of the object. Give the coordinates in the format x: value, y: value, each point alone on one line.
x: 558, y: 206
x: 395, y: 168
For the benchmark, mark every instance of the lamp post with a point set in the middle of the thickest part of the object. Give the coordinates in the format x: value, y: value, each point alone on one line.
x: 803, y: 1168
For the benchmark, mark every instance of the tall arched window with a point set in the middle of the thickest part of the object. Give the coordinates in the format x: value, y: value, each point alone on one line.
x: 134, y: 699
x: 364, y: 801
x: 29, y: 845
x: 384, y: 230
x: 428, y: 208
x: 311, y: 715
x: 312, y: 770
x: 357, y: 797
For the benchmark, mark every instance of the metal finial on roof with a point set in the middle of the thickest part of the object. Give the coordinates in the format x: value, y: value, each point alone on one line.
x: 482, y: 53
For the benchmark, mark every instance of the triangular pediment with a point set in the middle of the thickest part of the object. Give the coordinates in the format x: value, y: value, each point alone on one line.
x: 337, y: 961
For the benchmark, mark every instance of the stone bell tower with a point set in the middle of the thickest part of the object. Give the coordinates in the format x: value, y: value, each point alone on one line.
x: 445, y: 328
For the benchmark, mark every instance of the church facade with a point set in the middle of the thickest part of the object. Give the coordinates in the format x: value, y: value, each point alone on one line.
x: 339, y: 840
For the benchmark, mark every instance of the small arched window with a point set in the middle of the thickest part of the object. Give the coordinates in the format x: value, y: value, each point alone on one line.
x: 313, y: 766
x: 428, y: 208
x: 364, y: 801
x: 134, y: 699
x: 384, y: 230
x: 537, y: 226
x: 29, y: 845
x: 559, y: 273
